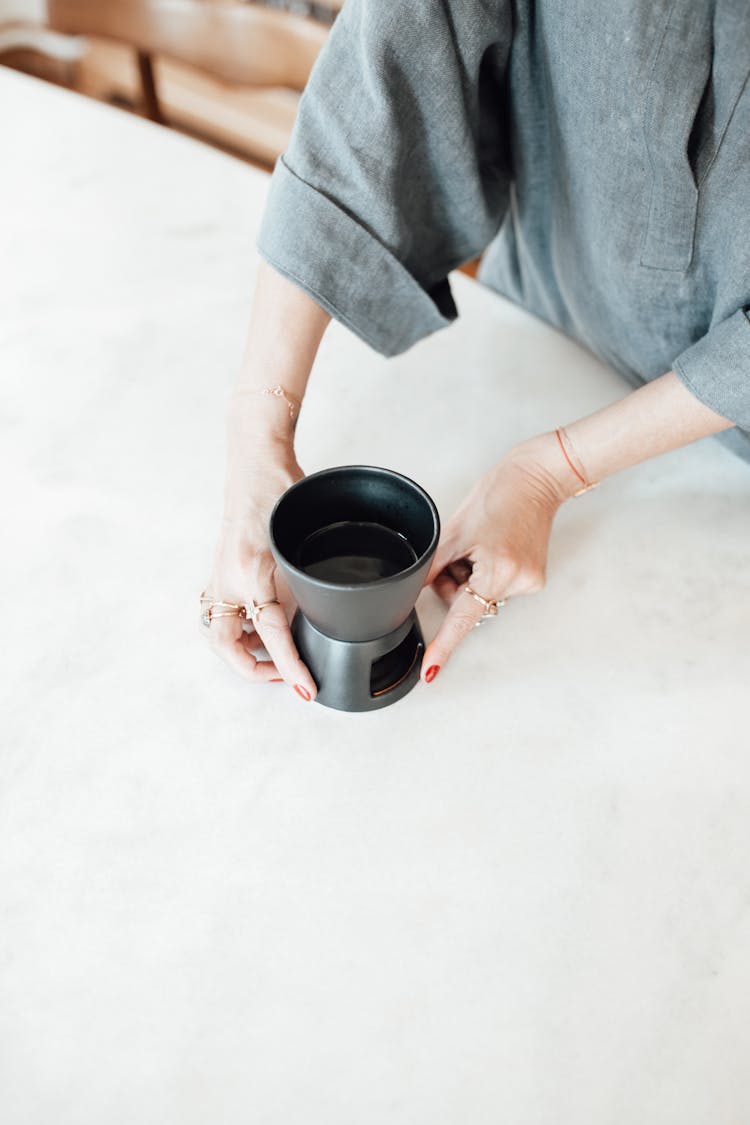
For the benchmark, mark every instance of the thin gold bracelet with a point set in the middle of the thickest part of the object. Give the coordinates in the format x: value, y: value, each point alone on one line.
x: 291, y: 400
x: 587, y: 485
x: 293, y: 403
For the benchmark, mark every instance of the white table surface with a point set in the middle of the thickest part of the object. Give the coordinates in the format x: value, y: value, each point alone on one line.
x: 521, y: 895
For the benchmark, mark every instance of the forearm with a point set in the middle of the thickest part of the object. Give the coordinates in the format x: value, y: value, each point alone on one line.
x: 284, y: 333
x: 285, y: 330
x: 660, y: 416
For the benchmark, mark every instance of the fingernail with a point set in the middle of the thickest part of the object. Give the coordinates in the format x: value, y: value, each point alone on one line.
x: 302, y: 692
x: 430, y: 674
x: 277, y: 680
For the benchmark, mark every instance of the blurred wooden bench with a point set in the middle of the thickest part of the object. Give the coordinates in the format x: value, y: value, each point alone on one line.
x: 226, y: 71
x: 186, y: 59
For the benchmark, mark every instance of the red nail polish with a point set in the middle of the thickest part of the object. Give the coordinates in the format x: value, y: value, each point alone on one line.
x: 430, y: 674
x: 276, y: 681
x: 302, y: 692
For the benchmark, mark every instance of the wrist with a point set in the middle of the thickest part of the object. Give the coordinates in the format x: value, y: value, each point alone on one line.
x: 260, y: 417
x: 252, y: 488
x: 543, y: 458
x: 261, y: 460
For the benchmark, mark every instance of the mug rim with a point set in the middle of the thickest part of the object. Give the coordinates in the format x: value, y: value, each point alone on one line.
x: 336, y: 470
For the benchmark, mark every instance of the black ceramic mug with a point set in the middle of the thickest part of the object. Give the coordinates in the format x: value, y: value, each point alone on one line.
x: 354, y: 544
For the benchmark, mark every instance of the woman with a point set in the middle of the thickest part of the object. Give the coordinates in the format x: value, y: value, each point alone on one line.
x: 598, y: 156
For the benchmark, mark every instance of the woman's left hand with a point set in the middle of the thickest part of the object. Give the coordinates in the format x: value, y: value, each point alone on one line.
x: 496, y: 542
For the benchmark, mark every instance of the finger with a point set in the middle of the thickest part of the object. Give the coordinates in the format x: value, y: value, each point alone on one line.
x: 448, y: 588
x: 228, y: 640
x: 445, y: 588
x: 460, y: 620
x: 451, y: 580
x: 251, y: 640
x: 462, y: 617
x: 265, y: 668
x: 273, y: 628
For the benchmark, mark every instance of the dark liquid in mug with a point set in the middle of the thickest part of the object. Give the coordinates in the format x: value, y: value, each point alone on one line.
x: 353, y: 552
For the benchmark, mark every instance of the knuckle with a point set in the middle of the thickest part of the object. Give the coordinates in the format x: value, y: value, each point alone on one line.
x: 531, y: 581
x: 273, y: 629
x: 257, y: 579
x: 505, y: 569
x: 459, y: 624
x: 245, y: 572
x: 277, y: 640
x: 268, y: 624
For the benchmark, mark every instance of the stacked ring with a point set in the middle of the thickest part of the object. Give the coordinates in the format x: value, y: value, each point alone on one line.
x: 491, y: 605
x: 211, y: 609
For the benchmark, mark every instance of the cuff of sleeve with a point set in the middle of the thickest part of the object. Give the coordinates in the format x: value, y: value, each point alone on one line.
x: 717, y: 369
x: 347, y: 270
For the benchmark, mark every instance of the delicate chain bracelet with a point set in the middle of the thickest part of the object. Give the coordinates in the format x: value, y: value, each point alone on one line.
x: 291, y: 400
x: 293, y: 403
x: 586, y: 485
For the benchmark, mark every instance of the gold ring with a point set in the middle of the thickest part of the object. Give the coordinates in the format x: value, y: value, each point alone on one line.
x: 211, y: 609
x: 253, y: 611
x: 491, y: 605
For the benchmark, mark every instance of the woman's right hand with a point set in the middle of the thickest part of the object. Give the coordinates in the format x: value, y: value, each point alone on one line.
x: 244, y: 570
x: 286, y: 326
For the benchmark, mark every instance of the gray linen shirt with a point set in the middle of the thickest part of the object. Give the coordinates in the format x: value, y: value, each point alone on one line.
x: 597, y: 156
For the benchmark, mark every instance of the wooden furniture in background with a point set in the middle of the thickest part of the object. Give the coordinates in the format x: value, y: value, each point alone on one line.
x: 242, y: 44
x: 226, y: 71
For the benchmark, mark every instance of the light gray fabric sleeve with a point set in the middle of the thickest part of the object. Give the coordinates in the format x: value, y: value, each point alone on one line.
x: 716, y: 368
x: 396, y: 171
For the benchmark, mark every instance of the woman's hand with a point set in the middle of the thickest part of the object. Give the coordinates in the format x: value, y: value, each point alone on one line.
x: 244, y: 569
x: 286, y: 327
x: 497, y: 541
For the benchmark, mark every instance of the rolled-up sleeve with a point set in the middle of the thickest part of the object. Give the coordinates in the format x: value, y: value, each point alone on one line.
x: 716, y: 368
x: 396, y: 171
